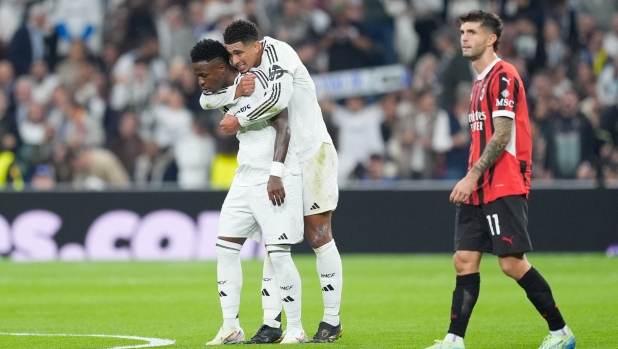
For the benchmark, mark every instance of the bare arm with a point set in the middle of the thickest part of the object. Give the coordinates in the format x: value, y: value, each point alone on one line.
x: 282, y: 138
x: 498, y: 142
x: 276, y: 191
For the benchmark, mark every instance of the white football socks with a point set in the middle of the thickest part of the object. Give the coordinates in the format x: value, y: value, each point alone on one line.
x: 289, y: 283
x: 271, y: 297
x: 330, y: 272
x: 453, y: 338
x: 561, y: 332
x: 229, y: 277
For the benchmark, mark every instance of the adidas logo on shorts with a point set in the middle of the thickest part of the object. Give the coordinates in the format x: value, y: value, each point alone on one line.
x: 314, y: 207
x: 283, y: 237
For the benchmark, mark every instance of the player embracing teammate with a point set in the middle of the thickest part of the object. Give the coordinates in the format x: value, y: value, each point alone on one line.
x: 285, y: 84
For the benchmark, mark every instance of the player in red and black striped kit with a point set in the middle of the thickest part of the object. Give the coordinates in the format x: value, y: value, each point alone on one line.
x: 492, y: 199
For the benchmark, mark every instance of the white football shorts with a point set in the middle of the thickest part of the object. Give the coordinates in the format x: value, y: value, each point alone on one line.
x: 247, y: 213
x: 320, y: 189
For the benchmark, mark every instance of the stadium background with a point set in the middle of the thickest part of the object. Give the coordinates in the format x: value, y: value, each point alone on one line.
x: 98, y: 100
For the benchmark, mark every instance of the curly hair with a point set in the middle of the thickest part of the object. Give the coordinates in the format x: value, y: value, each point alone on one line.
x: 240, y: 30
x: 488, y: 20
x: 209, y: 50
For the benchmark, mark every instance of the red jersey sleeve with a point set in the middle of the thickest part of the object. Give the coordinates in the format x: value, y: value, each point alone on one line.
x: 505, y: 94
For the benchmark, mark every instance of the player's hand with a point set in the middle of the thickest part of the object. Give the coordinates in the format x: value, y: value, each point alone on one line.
x: 246, y: 86
x: 276, y: 192
x: 464, y: 188
x: 229, y: 124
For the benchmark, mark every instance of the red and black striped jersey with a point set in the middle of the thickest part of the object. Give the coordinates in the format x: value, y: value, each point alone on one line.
x: 499, y: 92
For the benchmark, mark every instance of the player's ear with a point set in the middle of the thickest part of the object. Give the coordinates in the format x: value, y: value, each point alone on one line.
x: 257, y: 46
x: 491, y: 39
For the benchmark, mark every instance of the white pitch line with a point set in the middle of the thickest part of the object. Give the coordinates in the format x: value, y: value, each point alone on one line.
x: 152, y: 342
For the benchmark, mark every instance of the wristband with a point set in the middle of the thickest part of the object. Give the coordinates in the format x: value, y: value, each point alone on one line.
x: 276, y: 169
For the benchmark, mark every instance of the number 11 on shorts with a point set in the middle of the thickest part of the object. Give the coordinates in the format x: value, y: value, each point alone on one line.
x: 491, y: 225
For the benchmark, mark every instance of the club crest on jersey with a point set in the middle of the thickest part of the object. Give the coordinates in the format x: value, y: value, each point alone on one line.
x: 482, y: 92
x: 275, y: 72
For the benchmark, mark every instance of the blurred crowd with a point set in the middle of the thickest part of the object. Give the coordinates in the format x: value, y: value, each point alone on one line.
x: 100, y: 93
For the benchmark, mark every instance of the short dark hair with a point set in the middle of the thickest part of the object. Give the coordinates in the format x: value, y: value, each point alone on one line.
x: 488, y: 20
x: 208, y: 50
x: 240, y: 30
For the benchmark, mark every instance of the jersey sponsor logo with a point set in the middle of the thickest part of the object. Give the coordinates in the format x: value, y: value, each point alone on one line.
x: 505, y: 94
x: 476, y: 119
x: 505, y: 102
x: 477, y: 116
x: 275, y: 72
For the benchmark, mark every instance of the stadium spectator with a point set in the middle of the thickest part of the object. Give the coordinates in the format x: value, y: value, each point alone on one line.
x: 422, y: 134
x: 175, y: 37
x: 127, y: 145
x: 347, y: 43
x: 155, y: 166
x: 610, y: 41
x: 359, y: 132
x: 456, y: 159
x: 42, y: 178
x: 194, y: 155
x: 607, y: 84
x: 96, y: 169
x: 570, y: 142
x: 6, y: 78
x: 78, y: 21
x: 43, y: 82
x: 29, y: 42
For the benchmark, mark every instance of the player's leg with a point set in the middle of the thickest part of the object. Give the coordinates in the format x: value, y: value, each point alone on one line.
x: 470, y: 242
x: 320, y: 196
x: 509, y: 219
x: 236, y: 224
x: 282, y: 226
x: 270, y: 331
x: 290, y: 287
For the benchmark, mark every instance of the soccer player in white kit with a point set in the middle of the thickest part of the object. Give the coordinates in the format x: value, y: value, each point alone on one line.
x: 246, y: 211
x: 275, y: 63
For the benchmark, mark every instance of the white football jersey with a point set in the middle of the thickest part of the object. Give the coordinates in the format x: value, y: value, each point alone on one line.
x: 288, y: 85
x: 257, y: 142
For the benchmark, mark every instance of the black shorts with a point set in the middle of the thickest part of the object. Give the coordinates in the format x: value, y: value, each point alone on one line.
x: 499, y: 227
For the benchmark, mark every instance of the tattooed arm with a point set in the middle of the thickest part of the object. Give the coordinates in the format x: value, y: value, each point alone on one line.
x: 498, y: 142
x: 501, y: 137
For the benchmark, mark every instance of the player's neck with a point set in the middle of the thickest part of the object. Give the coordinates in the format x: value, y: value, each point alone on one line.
x: 230, y: 77
x: 484, y: 61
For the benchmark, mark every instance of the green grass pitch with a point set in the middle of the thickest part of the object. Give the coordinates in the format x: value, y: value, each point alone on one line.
x: 389, y: 301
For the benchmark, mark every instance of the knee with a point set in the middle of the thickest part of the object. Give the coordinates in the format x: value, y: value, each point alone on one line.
x: 465, y: 264
x: 514, y: 267
x: 318, y: 232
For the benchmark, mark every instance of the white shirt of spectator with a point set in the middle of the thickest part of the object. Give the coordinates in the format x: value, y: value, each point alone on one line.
x: 194, y: 155
x: 359, y: 136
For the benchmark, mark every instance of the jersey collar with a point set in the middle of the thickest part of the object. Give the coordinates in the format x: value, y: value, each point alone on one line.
x: 486, y: 71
